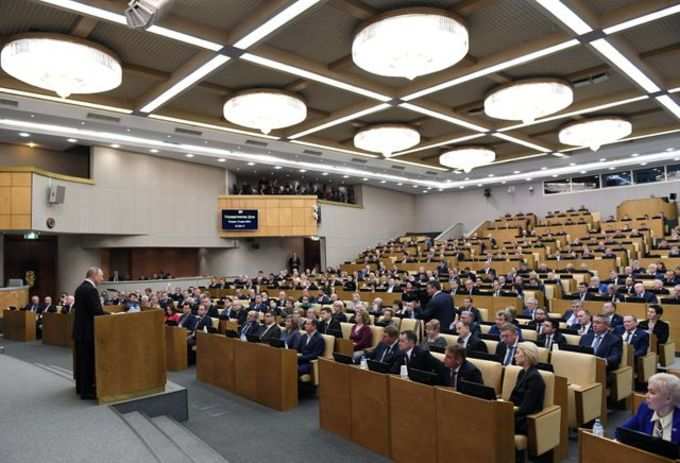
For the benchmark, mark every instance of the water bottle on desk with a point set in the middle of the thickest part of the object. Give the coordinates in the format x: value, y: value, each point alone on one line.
x: 363, y: 364
x: 598, y: 429
x: 403, y: 372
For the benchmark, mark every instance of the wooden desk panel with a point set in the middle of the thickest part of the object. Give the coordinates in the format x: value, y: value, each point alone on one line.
x: 413, y: 424
x: 276, y: 377
x: 487, y: 424
x: 370, y: 410
x: 593, y: 449
x: 176, y: 348
x: 215, y: 360
x: 491, y: 303
x: 344, y: 346
x: 14, y: 297
x: 245, y: 369
x: 19, y: 325
x: 57, y: 329
x: 335, y: 398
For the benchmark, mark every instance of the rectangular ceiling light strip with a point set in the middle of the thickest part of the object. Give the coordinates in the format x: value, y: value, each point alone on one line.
x: 566, y: 16
x: 492, y: 69
x: 670, y: 104
x: 88, y: 10
x: 186, y: 38
x: 576, y: 112
x: 186, y: 82
x: 418, y: 164
x: 333, y: 148
x: 625, y: 65
x: 441, y: 143
x: 211, y: 126
x: 279, y: 66
x: 275, y: 22
x: 519, y: 158
x: 340, y: 120
x: 642, y: 19
x: 444, y: 117
x: 55, y: 99
x: 519, y: 141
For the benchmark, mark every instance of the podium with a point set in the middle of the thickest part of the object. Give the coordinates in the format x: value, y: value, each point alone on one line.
x: 19, y: 325
x: 57, y: 329
x: 129, y: 355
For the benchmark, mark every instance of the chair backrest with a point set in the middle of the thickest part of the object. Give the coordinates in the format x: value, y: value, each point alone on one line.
x: 510, y: 375
x: 439, y: 356
x: 215, y: 322
x: 377, y: 333
x: 492, y: 372
x: 572, y: 339
x: 485, y: 328
x: 490, y: 345
x: 543, y: 355
x: 578, y: 368
x: 410, y: 324
x: 529, y: 335
x: 329, y: 344
x: 484, y: 313
x: 346, y: 329
x: 451, y: 339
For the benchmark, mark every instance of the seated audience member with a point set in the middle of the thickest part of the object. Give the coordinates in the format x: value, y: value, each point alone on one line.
x: 468, y: 306
x: 132, y: 305
x: 604, y: 344
x: 361, y: 335
x: 654, y: 325
x: 251, y: 327
x: 467, y: 339
x: 468, y: 318
x: 504, y: 317
x: 170, y: 314
x: 388, y: 319
x: 639, y: 292
x: 407, y: 310
x: 291, y: 333
x: 339, y: 312
x: 584, y: 323
x: 68, y: 304
x: 328, y: 324
x: 413, y: 356
x: 506, y: 348
x: 34, y: 305
x: 537, y: 322
x: 432, y: 336
x: 529, y: 391
x: 311, y: 347
x: 631, y: 334
x: 530, y: 309
x: 659, y: 414
x: 377, y: 307
x: 203, y: 320
x: 615, y: 320
x: 187, y: 320
x: 270, y: 330
x: 456, y: 368
x: 551, y: 335
x: 388, y: 349
x: 47, y: 306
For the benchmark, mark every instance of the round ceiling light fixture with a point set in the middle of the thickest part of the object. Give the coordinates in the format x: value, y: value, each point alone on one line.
x: 528, y: 100
x: 63, y: 64
x: 387, y: 138
x: 410, y: 42
x: 467, y: 158
x: 265, y: 109
x: 595, y: 132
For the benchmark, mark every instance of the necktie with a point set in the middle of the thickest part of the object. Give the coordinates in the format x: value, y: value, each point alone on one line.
x: 658, y: 429
x: 382, y: 357
x: 629, y: 336
x: 454, y: 379
x: 596, y: 343
x: 548, y: 342
x: 508, y: 355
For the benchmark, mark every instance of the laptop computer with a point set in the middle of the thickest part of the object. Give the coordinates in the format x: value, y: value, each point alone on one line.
x: 379, y: 367
x: 231, y: 334
x: 648, y: 443
x: 342, y: 358
x: 424, y: 377
x: 476, y: 390
x: 277, y: 343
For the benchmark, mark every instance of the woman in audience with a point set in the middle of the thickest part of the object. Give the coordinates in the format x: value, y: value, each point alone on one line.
x: 432, y: 336
x: 654, y: 324
x: 529, y: 390
x: 291, y: 333
x: 361, y: 335
x: 659, y: 414
x: 171, y: 316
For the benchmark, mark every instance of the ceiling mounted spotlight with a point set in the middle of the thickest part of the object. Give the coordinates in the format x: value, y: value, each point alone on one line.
x: 61, y: 63
x: 528, y: 100
x: 387, y: 138
x: 467, y: 158
x: 410, y: 42
x: 265, y: 109
x: 141, y: 14
x: 595, y: 132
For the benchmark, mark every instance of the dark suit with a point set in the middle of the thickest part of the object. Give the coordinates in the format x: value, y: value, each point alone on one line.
x: 310, y: 349
x: 616, y: 320
x: 474, y: 344
x: 661, y: 330
x: 440, y: 306
x: 270, y: 334
x: 642, y: 422
x: 292, y: 340
x: 420, y: 360
x: 87, y: 306
x: 639, y: 340
x: 66, y: 308
x: 610, y: 348
x: 557, y: 338
x: 187, y: 321
x: 502, y: 352
x: 332, y: 326
x: 250, y: 329
x: 202, y: 323
x: 646, y: 296
x: 528, y: 396
x: 466, y: 372
x: 384, y: 353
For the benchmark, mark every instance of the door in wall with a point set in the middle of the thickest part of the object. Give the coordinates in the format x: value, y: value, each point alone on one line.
x: 38, y: 256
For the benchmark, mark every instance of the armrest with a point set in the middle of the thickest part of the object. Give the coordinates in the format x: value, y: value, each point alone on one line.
x: 544, y: 430
x: 588, y: 402
x: 622, y: 385
x: 315, y: 371
x: 667, y: 353
x: 646, y: 366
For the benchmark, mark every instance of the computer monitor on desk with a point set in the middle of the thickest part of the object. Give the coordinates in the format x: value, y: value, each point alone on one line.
x: 648, y: 443
x: 341, y: 358
x: 424, y: 377
x: 476, y: 390
x: 579, y: 349
x: 379, y: 367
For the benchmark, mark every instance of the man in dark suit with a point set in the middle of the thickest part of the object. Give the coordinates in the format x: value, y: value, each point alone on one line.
x: 615, y: 320
x: 187, y: 320
x: 46, y: 307
x: 536, y: 323
x: 311, y: 347
x: 654, y: 324
x: 646, y: 296
x: 328, y: 324
x: 631, y: 334
x: 457, y: 368
x: 34, y: 305
x: 506, y: 348
x: 604, y: 344
x: 468, y: 340
x: 469, y: 306
x: 68, y: 304
x: 270, y: 331
x: 388, y: 348
x: 251, y: 327
x: 413, y: 356
x: 551, y: 335
x: 87, y: 306
x: 440, y: 306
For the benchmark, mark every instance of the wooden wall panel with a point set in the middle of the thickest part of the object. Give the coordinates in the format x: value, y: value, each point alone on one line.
x: 15, y: 200
x: 277, y: 215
